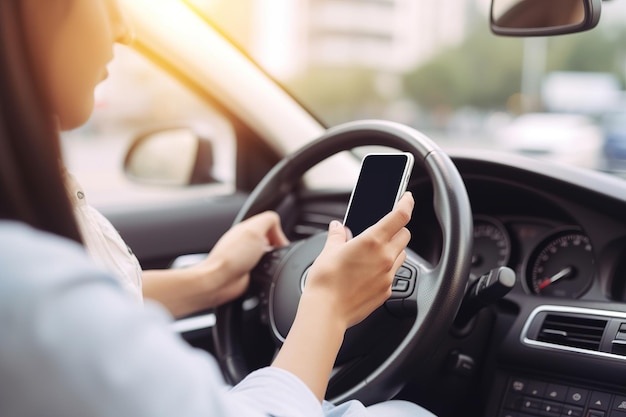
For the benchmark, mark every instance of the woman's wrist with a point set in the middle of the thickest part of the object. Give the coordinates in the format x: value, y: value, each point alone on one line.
x: 184, y: 291
x: 316, y: 334
x: 207, y: 279
x: 321, y: 304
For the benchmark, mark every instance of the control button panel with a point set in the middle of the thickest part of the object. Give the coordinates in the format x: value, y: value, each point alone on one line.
x: 529, y: 397
x: 404, y: 281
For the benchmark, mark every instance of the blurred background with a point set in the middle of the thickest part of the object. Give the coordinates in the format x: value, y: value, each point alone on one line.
x: 431, y: 64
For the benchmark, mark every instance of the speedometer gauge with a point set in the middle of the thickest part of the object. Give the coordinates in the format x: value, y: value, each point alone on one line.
x: 562, y: 265
x: 492, y: 246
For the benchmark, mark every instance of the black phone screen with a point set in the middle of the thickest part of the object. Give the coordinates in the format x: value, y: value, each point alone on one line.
x: 376, y: 190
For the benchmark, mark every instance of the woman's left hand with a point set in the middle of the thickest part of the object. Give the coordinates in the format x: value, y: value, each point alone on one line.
x: 229, y: 263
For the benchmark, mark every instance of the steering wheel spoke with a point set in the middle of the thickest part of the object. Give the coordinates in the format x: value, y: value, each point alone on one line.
x: 403, y: 302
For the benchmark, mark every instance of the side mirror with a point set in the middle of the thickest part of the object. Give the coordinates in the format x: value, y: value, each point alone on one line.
x: 174, y: 156
x: 543, y: 17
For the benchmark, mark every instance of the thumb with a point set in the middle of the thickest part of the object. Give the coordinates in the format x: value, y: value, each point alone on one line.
x: 337, y: 234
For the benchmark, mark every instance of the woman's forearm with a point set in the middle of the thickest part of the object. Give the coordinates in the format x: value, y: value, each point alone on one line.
x: 312, y: 345
x: 181, y: 291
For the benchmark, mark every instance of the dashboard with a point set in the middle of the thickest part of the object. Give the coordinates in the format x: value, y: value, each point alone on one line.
x: 563, y: 233
x: 563, y: 240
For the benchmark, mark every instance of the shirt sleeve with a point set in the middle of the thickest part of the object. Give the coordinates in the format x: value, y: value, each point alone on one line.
x: 75, y: 344
x: 256, y: 390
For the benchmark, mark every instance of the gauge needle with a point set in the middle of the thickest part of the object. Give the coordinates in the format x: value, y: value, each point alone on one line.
x: 561, y: 274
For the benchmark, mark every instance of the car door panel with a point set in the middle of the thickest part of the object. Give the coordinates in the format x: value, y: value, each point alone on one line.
x: 158, y: 234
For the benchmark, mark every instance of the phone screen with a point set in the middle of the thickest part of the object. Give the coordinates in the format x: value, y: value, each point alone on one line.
x: 382, y: 181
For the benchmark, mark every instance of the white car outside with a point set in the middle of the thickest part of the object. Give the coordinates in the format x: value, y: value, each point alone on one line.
x: 573, y: 139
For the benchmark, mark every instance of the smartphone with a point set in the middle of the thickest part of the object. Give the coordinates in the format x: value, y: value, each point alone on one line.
x: 382, y: 181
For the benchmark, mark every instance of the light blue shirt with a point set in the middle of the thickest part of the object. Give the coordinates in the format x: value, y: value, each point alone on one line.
x: 73, y: 343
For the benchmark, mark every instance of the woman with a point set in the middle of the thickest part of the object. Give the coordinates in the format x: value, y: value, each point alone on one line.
x: 73, y: 342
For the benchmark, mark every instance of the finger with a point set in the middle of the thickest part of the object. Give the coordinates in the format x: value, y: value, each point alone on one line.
x: 396, y: 248
x: 349, y: 234
x: 269, y: 224
x: 337, y: 235
x: 406, y: 204
x: 399, y: 261
x: 401, y: 239
x: 276, y: 235
x: 394, y: 221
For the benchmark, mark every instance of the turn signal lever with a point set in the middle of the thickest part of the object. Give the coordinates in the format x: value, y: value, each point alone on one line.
x: 485, y: 290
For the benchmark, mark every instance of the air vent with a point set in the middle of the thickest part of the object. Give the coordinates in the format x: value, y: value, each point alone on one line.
x: 586, y: 331
x: 573, y: 331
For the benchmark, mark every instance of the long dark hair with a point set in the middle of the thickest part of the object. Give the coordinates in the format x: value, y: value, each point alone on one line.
x: 32, y: 188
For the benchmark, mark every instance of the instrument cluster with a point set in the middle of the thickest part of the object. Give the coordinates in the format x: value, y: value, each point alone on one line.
x: 549, y: 259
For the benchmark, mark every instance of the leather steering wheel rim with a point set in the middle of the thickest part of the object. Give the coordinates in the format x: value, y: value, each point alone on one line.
x: 440, y: 288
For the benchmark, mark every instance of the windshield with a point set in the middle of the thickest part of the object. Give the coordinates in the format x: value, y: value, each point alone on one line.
x: 436, y: 66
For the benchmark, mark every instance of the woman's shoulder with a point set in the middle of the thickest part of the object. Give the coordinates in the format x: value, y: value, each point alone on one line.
x: 22, y: 233
x: 36, y: 261
x: 22, y: 245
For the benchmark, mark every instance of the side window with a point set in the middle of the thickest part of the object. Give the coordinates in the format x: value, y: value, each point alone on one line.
x: 149, y: 139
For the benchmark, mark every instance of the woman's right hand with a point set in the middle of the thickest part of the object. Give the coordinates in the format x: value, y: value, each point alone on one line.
x: 347, y: 281
x: 354, y: 276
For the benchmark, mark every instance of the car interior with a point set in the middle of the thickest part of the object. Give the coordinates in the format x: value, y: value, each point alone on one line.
x: 512, y: 301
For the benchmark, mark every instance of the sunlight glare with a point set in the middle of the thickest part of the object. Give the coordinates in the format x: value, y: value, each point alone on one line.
x: 275, y: 46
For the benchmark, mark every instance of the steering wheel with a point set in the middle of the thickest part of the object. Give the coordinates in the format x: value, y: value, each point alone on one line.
x: 425, y: 297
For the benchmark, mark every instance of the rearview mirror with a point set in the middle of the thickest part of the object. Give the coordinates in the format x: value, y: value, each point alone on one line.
x: 543, y: 17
